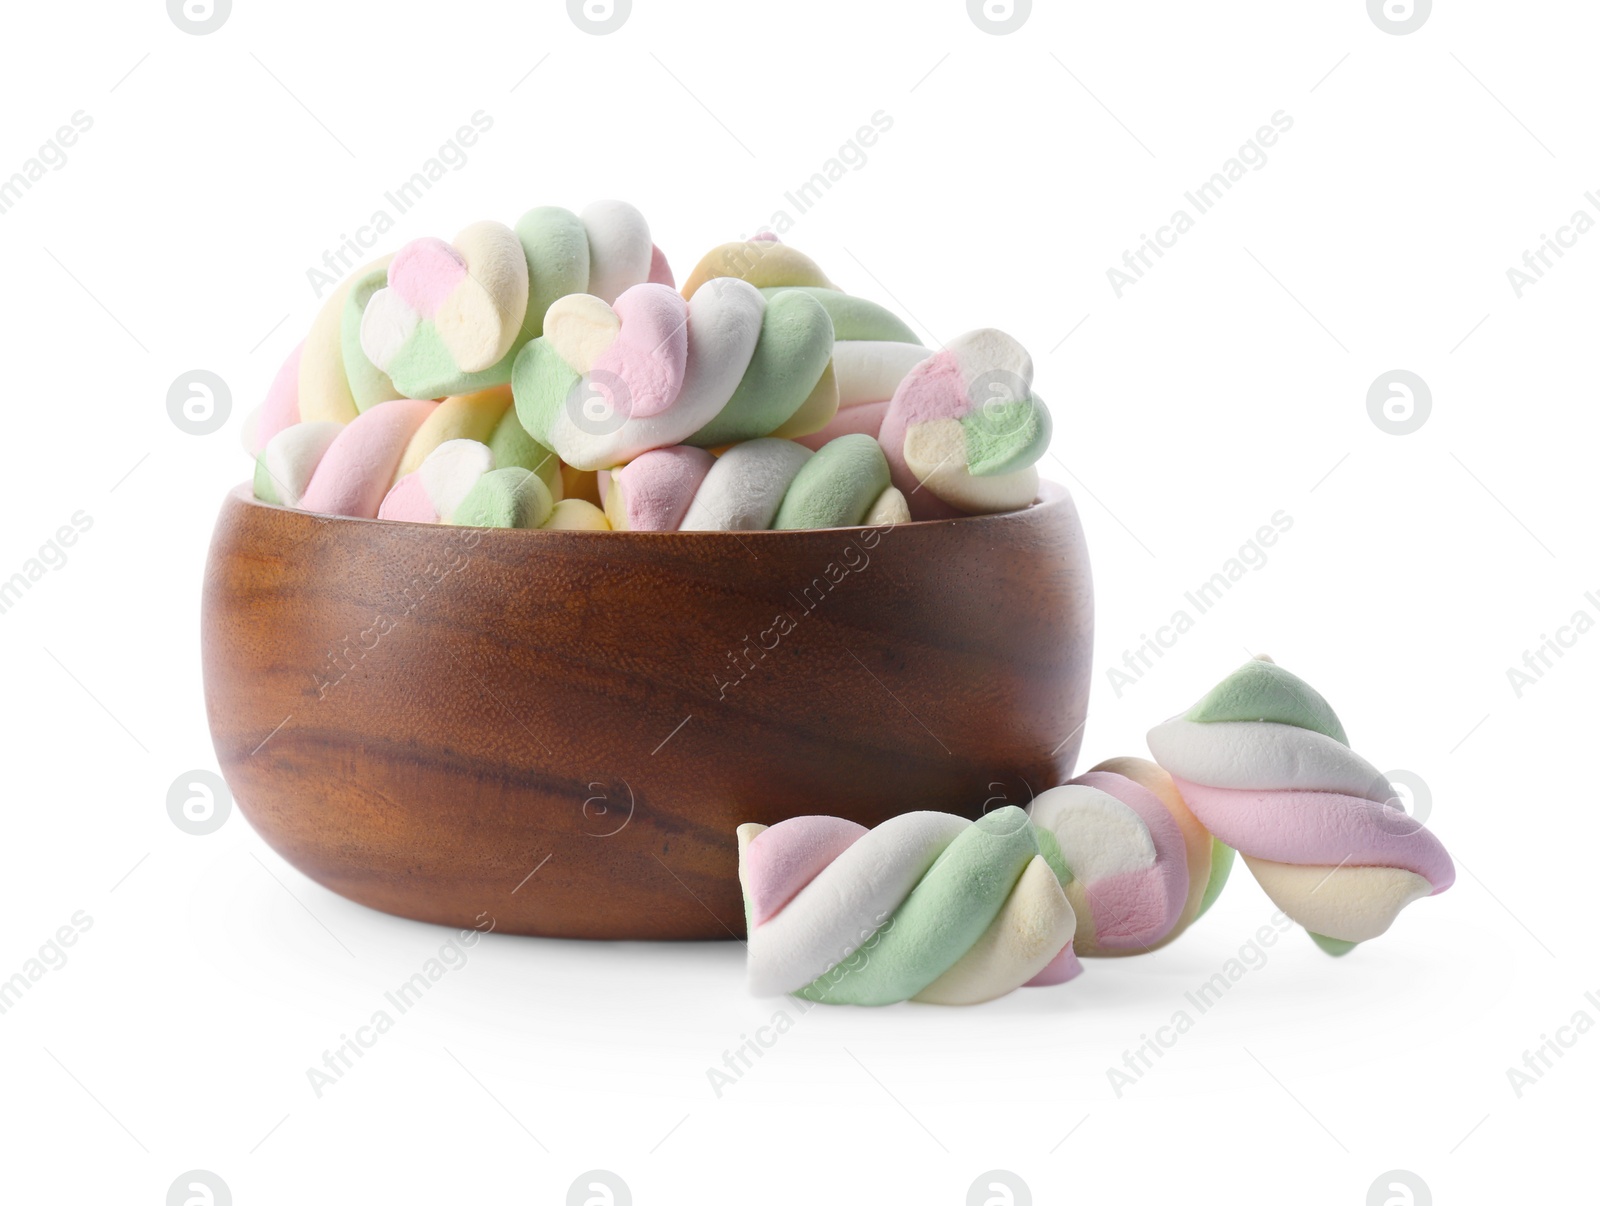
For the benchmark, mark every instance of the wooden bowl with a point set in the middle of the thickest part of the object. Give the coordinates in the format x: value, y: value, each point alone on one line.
x: 561, y: 730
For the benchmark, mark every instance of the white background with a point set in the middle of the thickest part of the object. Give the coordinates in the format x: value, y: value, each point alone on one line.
x: 1228, y: 384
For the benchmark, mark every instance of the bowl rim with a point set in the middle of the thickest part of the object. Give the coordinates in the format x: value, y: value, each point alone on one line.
x: 1051, y: 496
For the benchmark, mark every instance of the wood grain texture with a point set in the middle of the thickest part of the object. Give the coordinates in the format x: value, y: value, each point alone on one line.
x: 561, y: 730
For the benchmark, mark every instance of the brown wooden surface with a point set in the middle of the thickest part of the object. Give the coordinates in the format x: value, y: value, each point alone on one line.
x: 420, y: 740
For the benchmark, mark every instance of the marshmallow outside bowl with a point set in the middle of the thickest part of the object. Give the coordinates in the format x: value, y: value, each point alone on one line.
x: 464, y: 706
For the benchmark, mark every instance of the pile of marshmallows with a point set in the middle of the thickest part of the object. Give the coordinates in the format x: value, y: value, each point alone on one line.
x: 935, y: 908
x: 551, y: 375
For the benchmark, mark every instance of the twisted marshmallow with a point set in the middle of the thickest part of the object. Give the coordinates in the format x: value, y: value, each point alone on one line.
x: 765, y: 483
x: 961, y: 427
x: 605, y: 384
x: 761, y: 342
x: 926, y: 907
x: 1264, y: 763
x: 438, y: 319
x: 1142, y: 867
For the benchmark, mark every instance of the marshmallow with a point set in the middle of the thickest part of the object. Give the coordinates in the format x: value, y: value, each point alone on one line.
x: 324, y: 387
x: 836, y: 487
x: 889, y: 508
x: 1208, y: 860
x: 764, y: 263
x: 450, y: 314
x: 513, y: 446
x: 1033, y: 929
x: 855, y: 318
x: 965, y: 425
x: 743, y: 490
x: 466, y: 417
x: 556, y: 247
x: 866, y: 418
x: 562, y: 348
x: 1263, y: 763
x: 871, y: 371
x: 359, y: 466
x: 620, y: 252
x: 653, y: 492
x: 281, y: 410
x: 408, y: 502
x: 439, y: 485
x: 605, y: 384
x: 576, y: 515
x: 926, y: 907
x: 1130, y: 875
x: 505, y: 498
x: 793, y: 349
x: 285, y: 466
x: 369, y: 384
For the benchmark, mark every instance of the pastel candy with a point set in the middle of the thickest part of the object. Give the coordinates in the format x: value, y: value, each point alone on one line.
x: 324, y: 387
x: 762, y: 262
x: 828, y: 919
x: 576, y: 515
x: 1208, y: 859
x: 1347, y: 904
x: 552, y: 399
x: 1256, y: 754
x: 439, y: 485
x: 871, y: 371
x: 408, y: 502
x: 513, y: 446
x: 965, y: 424
x: 452, y: 470
x: 580, y: 327
x: 285, y: 466
x: 836, y: 487
x: 855, y: 318
x: 1263, y: 763
x: 480, y: 317
x: 660, y: 270
x: 604, y: 252
x: 889, y: 508
x: 820, y: 407
x: 574, y: 318
x: 505, y: 498
x: 744, y: 488
x: 450, y: 313
x: 620, y: 250
x: 1063, y: 967
x: 427, y: 368
x: 935, y: 455
x: 650, y: 350
x: 654, y: 492
x: 1346, y: 829
x: 793, y: 349
x: 604, y: 385
x: 1033, y: 929
x: 466, y: 417
x: 555, y: 245
x: 359, y: 466
x: 369, y: 384
x: 1127, y: 859
x: 774, y: 871
x: 866, y: 419
x: 281, y: 409
x: 942, y: 917
x: 1263, y: 690
x: 725, y: 324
